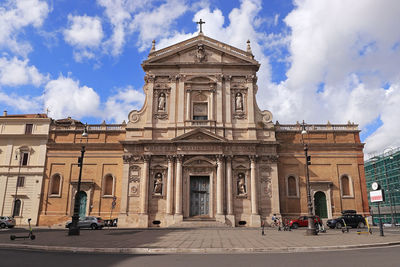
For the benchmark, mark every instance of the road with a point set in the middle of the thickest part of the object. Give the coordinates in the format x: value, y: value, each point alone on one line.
x: 386, y: 256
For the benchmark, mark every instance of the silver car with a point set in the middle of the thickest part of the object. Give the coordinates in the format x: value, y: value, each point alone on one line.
x: 7, y: 221
x: 91, y: 222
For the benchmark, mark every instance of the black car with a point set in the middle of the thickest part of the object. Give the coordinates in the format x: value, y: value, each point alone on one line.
x: 350, y: 218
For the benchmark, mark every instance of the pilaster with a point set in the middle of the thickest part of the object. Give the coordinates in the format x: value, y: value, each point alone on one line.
x: 178, y: 186
x: 255, y: 220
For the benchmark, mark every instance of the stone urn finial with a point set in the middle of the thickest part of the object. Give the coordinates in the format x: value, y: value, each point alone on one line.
x: 153, y: 46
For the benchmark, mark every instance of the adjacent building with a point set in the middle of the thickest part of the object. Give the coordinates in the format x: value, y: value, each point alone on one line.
x: 385, y: 170
x: 101, y: 173
x: 23, y: 140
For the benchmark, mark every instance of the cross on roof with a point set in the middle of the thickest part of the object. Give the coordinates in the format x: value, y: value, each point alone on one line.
x: 200, y: 23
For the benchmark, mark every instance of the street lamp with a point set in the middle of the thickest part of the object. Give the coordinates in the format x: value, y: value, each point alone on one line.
x: 387, y: 182
x: 311, y: 230
x: 74, y: 229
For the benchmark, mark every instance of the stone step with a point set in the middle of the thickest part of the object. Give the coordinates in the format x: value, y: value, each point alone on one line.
x: 201, y: 223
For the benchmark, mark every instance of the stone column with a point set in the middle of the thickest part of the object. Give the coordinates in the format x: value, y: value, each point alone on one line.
x: 181, y: 103
x: 187, y: 103
x: 172, y: 107
x: 230, y: 217
x: 211, y: 108
x: 250, y: 107
x: 178, y: 189
x: 255, y: 217
x: 220, y: 190
x: 170, y: 185
x: 219, y: 100
x: 144, y: 194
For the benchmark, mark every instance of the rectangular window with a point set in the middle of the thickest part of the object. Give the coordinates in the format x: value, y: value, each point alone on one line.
x: 28, y: 129
x: 21, y: 181
x: 24, y: 158
x: 200, y: 111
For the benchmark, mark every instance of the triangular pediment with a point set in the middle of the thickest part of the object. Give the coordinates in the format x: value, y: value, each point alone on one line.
x: 199, y: 135
x: 200, y: 49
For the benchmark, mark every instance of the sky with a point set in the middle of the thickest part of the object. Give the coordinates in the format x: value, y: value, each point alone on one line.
x: 321, y: 60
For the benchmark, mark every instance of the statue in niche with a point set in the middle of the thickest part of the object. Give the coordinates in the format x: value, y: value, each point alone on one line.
x: 158, y: 184
x: 239, y: 102
x: 241, y: 184
x: 161, y: 102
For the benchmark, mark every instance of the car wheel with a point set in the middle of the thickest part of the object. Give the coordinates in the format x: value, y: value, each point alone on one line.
x: 2, y: 225
x: 295, y: 226
x: 338, y: 225
x: 361, y: 225
x: 93, y: 226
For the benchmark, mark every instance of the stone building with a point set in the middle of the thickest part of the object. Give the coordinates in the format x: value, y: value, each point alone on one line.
x: 200, y: 148
x: 101, y: 172
x: 23, y: 140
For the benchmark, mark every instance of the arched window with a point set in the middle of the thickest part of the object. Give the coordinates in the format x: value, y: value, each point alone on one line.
x: 55, y: 185
x: 108, y: 185
x: 346, y: 186
x: 17, y: 208
x: 292, y: 186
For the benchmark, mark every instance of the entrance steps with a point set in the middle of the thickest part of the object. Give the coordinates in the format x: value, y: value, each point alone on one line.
x: 199, y: 223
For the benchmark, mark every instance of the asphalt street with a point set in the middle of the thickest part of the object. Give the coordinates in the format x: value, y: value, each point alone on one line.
x: 382, y: 257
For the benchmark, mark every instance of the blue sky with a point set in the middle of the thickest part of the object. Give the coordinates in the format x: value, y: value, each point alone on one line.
x: 320, y: 60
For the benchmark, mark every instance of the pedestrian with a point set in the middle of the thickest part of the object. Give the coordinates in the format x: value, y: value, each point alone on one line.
x: 262, y: 227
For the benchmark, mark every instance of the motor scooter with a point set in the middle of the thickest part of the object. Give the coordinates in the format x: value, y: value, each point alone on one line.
x: 30, y: 234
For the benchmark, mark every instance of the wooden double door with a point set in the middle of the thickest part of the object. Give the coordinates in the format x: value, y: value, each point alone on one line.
x: 199, y: 195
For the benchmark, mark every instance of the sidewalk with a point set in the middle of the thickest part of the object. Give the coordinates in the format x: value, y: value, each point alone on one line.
x: 203, y: 240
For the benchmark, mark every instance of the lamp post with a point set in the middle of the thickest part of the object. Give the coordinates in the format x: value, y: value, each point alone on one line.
x: 74, y: 229
x: 387, y: 184
x: 311, y: 230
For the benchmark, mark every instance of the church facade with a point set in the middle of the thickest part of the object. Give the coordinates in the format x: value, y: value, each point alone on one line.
x: 200, y: 149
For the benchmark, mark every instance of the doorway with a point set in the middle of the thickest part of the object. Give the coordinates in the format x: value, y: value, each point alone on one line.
x: 82, y: 204
x: 199, y: 195
x: 320, y: 204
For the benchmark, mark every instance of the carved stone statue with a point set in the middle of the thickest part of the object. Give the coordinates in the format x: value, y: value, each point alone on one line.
x: 161, y: 102
x: 201, y: 53
x: 239, y: 102
x: 241, y: 184
x: 158, y: 184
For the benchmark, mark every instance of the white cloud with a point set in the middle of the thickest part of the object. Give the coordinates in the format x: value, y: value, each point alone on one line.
x: 83, y: 31
x: 119, y: 14
x: 65, y: 97
x: 85, y: 34
x: 388, y: 134
x: 25, y: 104
x: 15, y: 72
x: 14, y: 16
x: 157, y: 22
x: 349, y: 48
x: 150, y: 18
x: 118, y: 106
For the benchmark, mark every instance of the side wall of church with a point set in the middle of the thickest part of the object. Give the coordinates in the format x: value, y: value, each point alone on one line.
x: 334, y: 154
x: 103, y: 157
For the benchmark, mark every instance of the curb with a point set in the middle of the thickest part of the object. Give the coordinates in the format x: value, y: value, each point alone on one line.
x: 190, y: 250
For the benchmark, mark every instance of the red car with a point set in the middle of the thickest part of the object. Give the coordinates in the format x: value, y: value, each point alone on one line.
x: 302, y: 221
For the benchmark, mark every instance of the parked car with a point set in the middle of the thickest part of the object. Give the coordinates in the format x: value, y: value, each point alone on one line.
x: 7, y: 221
x: 302, y: 221
x: 88, y: 222
x: 350, y: 217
